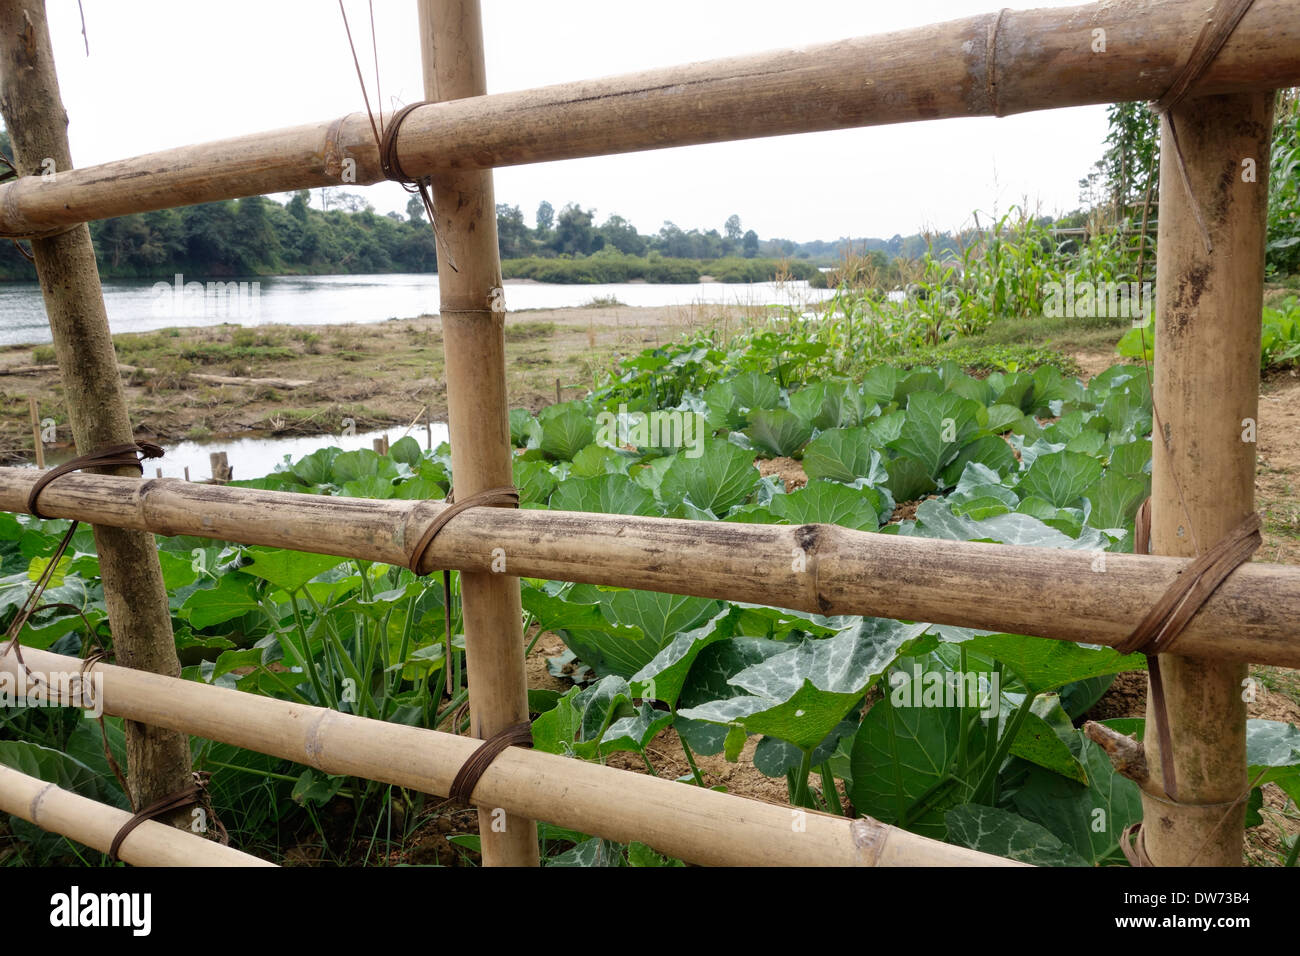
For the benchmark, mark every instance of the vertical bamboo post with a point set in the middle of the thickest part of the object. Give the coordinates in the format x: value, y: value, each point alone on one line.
x: 451, y: 47
x: 158, y: 760
x: 1203, y: 477
x: 37, y: 444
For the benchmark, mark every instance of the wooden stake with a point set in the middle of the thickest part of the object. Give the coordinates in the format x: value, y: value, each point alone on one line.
x: 220, y: 465
x: 986, y: 65
x: 695, y: 824
x: 451, y: 48
x: 1207, y: 345
x: 96, y: 825
x: 158, y: 761
x: 36, y: 431
x: 380, y: 445
x: 1254, y: 615
x: 187, y: 472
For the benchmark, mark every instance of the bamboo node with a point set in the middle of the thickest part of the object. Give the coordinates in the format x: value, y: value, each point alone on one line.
x: 869, y: 838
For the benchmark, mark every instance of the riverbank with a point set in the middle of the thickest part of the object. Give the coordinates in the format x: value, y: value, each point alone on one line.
x: 375, y: 375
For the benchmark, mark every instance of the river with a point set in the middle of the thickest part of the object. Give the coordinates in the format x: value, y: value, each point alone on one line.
x: 143, y: 305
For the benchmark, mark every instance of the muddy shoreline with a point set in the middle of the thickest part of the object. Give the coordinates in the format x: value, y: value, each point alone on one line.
x: 360, y: 376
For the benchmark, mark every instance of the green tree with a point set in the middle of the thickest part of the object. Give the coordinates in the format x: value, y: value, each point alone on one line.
x: 574, y: 232
x: 512, y: 232
x: 732, y: 228
x: 750, y: 244
x: 415, y: 210
x: 545, y: 217
x: 622, y: 235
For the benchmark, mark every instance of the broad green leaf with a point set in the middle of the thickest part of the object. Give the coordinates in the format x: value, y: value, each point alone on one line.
x: 937, y: 427
x: 827, y: 502
x: 638, y: 854
x: 721, y: 478
x: 520, y: 421
x: 289, y: 570
x: 934, y: 519
x: 1132, y: 459
x: 1002, y: 833
x: 232, y: 597
x: 58, y: 768
x: 1002, y: 417
x: 1273, y: 753
x: 596, y: 460
x: 992, y: 451
x: 406, y: 450
x: 1038, y: 743
x: 534, y: 480
x: 1060, y: 479
x: 664, y: 676
x: 566, y: 429
x: 318, y: 467
x: 801, y: 695
x: 778, y: 431
x: 354, y: 465
x: 901, y: 762
x: 608, y: 494
x: 879, y: 384
x: 1046, y: 665
x: 1115, y: 500
x: 755, y: 391
x: 840, y: 454
x: 709, y: 680
x: 1088, y: 819
x: 909, y: 479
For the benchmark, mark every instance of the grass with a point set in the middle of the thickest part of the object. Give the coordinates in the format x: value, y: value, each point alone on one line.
x: 523, y: 331
x: 603, y: 302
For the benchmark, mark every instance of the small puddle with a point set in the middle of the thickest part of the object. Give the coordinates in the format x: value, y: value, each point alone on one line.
x: 255, y: 456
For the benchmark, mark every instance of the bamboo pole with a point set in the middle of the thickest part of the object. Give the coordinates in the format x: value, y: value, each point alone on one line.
x: 994, y: 64
x: 478, y: 418
x: 96, y: 824
x: 159, y: 762
x: 693, y: 823
x: 1203, y: 472
x: 1254, y: 615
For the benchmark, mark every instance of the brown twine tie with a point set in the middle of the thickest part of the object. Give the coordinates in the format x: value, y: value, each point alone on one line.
x: 518, y: 735
x: 115, y: 455
x: 386, y: 139
x: 467, y: 778
x: 196, y: 794
x: 1156, y: 633
x: 503, y: 497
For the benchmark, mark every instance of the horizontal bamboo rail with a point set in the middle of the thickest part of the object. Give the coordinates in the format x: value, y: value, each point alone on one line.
x: 1081, y: 596
x: 994, y: 64
x: 96, y: 824
x: 692, y: 823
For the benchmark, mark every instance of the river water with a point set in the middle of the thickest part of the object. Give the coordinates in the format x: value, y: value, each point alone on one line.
x: 143, y: 305
x: 256, y: 456
x: 147, y: 305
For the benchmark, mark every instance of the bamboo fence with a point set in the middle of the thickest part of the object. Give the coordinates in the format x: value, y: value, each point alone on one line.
x: 991, y: 65
x: 52, y: 808
x: 694, y: 823
x: 1066, y: 595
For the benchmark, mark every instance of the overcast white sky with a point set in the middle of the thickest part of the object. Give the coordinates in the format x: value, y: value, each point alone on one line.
x: 164, y: 73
